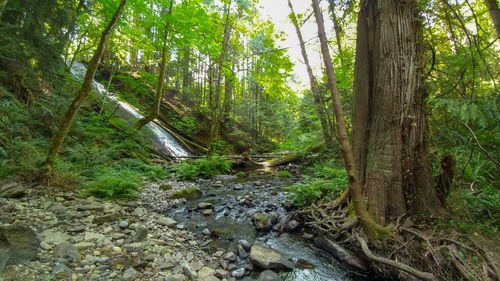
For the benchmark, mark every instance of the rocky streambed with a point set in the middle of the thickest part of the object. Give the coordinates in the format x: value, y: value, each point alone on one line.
x: 227, y: 230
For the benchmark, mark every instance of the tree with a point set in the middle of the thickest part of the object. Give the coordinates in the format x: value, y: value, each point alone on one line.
x: 318, y: 97
x: 494, y: 14
x: 155, y: 108
x: 370, y: 226
x: 83, y: 92
x: 389, y: 122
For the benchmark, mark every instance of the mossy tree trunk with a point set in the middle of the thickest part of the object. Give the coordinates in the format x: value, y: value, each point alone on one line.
x: 494, y: 14
x: 83, y: 92
x: 389, y: 122
x: 155, y: 108
x: 373, y: 230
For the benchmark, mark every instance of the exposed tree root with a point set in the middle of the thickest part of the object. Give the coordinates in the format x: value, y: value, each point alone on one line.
x: 412, y: 253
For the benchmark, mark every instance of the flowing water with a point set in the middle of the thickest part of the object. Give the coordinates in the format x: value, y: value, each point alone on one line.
x: 164, y: 141
x: 231, y: 222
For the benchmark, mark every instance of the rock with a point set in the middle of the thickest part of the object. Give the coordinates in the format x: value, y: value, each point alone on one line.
x: 61, y: 271
x: 84, y: 245
x: 245, y: 244
x: 340, y: 253
x: 225, y: 177
x: 54, y: 237
x: 267, y: 258
x: 18, y: 244
x: 141, y: 234
x: 206, y: 232
x: 268, y: 275
x: 130, y: 274
x: 206, y: 274
x: 308, y: 236
x: 207, y: 212
x: 303, y: 264
x: 66, y: 250
x: 230, y: 256
x: 46, y: 246
x: 12, y: 190
x: 220, y: 273
x: 176, y: 277
x: 165, y: 186
x: 292, y: 225
x: 123, y: 224
x: 90, y: 207
x: 242, y: 253
x: 238, y: 273
x: 166, y: 221
x: 189, y: 193
x: 188, y: 271
x: 140, y: 212
x: 262, y: 222
x: 93, y: 236
x: 205, y: 205
x: 106, y: 218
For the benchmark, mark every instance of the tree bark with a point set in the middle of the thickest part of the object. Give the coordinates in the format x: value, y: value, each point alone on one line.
x: 389, y: 122
x: 373, y: 230
x: 494, y: 14
x: 318, y: 97
x: 83, y: 93
x: 155, y: 108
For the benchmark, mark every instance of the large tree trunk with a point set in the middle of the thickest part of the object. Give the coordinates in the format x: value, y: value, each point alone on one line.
x: 372, y: 229
x: 389, y: 122
x: 494, y: 14
x: 318, y: 97
x: 84, y: 91
x: 155, y: 108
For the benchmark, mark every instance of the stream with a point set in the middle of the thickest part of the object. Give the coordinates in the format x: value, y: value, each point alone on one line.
x: 234, y: 203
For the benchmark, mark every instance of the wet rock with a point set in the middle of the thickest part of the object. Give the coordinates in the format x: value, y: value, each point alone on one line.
x: 245, y: 244
x: 166, y: 221
x: 18, y: 244
x: 340, y: 253
x: 292, y: 225
x: 12, y: 190
x: 130, y: 274
x: 308, y: 236
x: 205, y: 205
x: 206, y: 232
x: 268, y: 275
x: 262, y: 222
x: 238, y: 273
x: 267, y: 258
x: 207, y: 212
x: 242, y: 253
x: 303, y: 264
x: 66, y: 250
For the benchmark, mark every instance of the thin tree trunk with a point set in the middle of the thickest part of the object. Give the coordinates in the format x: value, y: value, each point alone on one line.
x: 373, y: 230
x: 494, y: 14
x: 336, y: 26
x: 83, y: 93
x: 155, y: 108
x: 318, y: 98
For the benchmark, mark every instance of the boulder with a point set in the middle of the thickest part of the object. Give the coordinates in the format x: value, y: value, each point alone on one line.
x: 166, y: 221
x: 267, y: 258
x: 18, y: 244
x: 12, y: 190
x: 340, y: 253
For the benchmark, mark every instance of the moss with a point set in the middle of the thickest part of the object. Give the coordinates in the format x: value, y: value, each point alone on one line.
x: 241, y: 175
x: 261, y: 218
x: 165, y: 186
x: 189, y: 193
x: 284, y: 174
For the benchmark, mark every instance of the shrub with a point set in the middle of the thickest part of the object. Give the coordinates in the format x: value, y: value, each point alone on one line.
x: 284, y: 174
x: 202, y: 168
x: 114, y: 184
x: 307, y: 193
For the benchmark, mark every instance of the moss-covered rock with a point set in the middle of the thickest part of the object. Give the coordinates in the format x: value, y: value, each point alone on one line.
x: 262, y: 222
x: 165, y: 186
x: 189, y: 193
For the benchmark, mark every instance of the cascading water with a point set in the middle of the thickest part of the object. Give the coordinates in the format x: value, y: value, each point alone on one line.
x: 161, y: 137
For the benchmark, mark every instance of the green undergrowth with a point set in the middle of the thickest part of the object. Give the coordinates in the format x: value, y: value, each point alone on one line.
x: 323, y: 181
x: 206, y: 167
x: 100, y: 157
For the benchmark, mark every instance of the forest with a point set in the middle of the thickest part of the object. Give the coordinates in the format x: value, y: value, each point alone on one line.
x: 209, y: 140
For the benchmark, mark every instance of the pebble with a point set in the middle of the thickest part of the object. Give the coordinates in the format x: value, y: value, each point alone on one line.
x: 238, y: 273
x: 123, y: 224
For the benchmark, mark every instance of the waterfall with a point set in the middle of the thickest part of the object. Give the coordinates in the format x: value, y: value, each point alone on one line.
x: 162, y: 139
